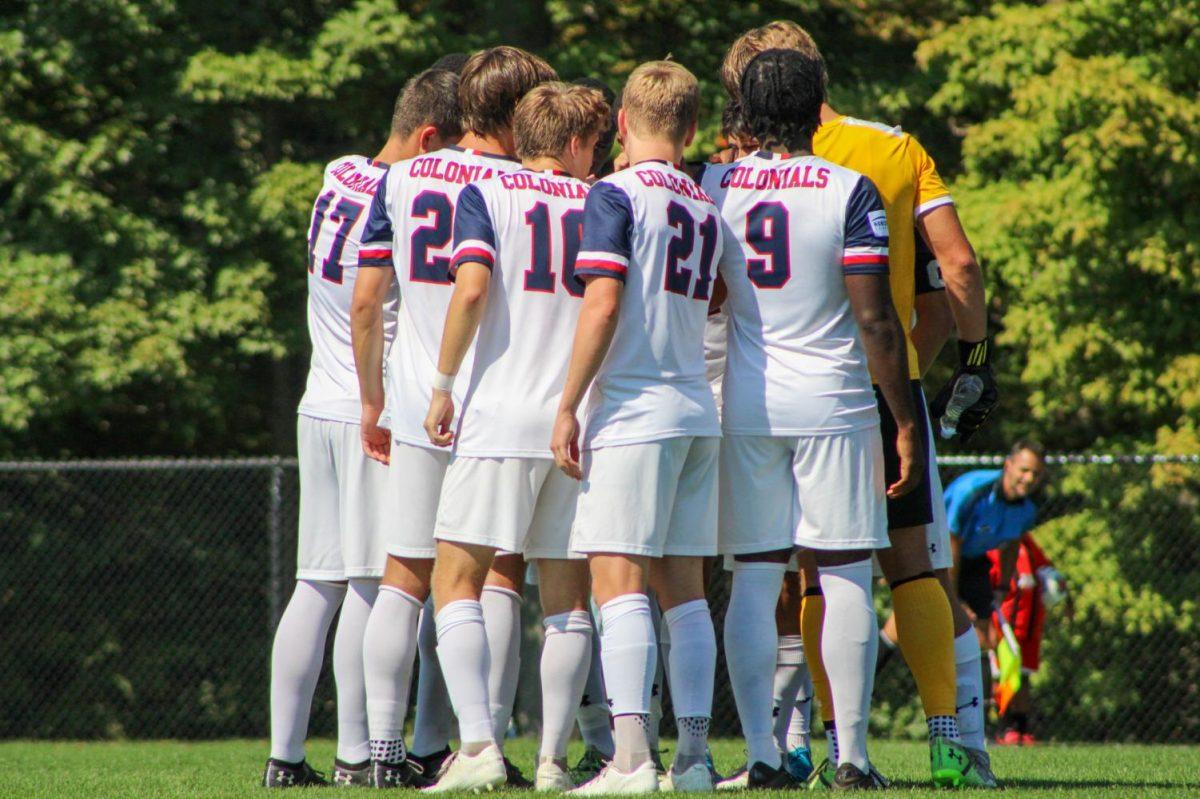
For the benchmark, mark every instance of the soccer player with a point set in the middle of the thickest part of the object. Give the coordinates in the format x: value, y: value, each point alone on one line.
x: 809, y: 305
x: 515, y: 239
x: 408, y: 240
x: 341, y: 548
x: 647, y: 506
x: 913, y: 194
x: 933, y: 326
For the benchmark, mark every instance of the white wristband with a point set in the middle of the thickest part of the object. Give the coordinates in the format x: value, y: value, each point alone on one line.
x: 442, y: 382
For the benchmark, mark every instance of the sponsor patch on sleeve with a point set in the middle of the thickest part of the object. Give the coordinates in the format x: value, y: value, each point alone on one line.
x: 878, y: 222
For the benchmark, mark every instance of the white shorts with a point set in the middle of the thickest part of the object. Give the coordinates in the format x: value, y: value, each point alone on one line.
x: 937, y: 533
x: 512, y: 504
x: 342, y: 500
x: 414, y: 485
x: 820, y: 492
x: 657, y: 498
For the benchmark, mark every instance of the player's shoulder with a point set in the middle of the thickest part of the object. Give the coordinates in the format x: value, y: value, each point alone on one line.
x: 355, y: 174
x: 872, y: 129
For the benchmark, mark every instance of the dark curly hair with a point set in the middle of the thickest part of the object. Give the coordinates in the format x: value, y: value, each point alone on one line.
x: 782, y: 93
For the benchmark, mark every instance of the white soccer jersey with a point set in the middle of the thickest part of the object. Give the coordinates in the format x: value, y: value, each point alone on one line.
x: 411, y: 227
x: 652, y: 227
x: 796, y: 363
x: 526, y: 227
x: 338, y: 219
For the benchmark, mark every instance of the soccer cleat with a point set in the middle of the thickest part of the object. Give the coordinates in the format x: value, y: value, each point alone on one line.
x: 764, y: 778
x: 480, y: 772
x: 735, y: 781
x: 798, y: 763
x: 695, y: 779
x: 405, y: 774
x: 346, y: 774
x: 981, y: 761
x: 849, y: 777
x: 552, y: 777
x: 610, y: 781
x: 431, y: 765
x: 281, y: 774
x: 513, y: 778
x: 951, y: 767
x: 822, y: 776
x: 592, y: 762
x: 1027, y: 739
x: 880, y: 780
x: 712, y: 767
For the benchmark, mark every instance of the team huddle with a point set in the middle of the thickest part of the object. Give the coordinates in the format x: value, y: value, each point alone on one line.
x: 529, y: 357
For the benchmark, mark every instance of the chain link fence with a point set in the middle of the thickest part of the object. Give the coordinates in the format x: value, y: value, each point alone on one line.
x: 139, y: 599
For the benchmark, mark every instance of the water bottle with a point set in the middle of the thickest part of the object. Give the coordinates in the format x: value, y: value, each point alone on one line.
x: 967, y: 392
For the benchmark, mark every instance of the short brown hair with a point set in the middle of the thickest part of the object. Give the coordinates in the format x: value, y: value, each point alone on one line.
x: 552, y: 113
x: 661, y: 98
x: 1028, y: 445
x: 493, y: 82
x: 431, y: 98
x: 781, y: 34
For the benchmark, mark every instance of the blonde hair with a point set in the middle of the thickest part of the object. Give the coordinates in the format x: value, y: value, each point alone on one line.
x: 551, y: 114
x: 661, y: 98
x: 781, y: 34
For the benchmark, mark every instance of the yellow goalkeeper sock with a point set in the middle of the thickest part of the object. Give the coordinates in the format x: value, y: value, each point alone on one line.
x: 812, y: 616
x: 925, y: 628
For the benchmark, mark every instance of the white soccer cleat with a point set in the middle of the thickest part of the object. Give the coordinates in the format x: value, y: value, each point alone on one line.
x: 610, y: 782
x: 552, y: 777
x: 481, y: 772
x: 736, y: 781
x: 696, y: 779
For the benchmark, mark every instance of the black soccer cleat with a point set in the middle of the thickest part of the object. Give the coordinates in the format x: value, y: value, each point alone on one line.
x: 848, y: 777
x: 762, y: 777
x: 346, y: 775
x: 281, y: 774
x: 515, y: 779
x: 405, y: 774
x: 431, y: 765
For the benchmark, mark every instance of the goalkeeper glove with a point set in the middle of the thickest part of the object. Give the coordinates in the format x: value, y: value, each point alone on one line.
x: 974, y: 364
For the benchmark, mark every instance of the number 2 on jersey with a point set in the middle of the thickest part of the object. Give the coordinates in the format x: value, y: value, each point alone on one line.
x: 540, y: 274
x: 436, y: 207
x: 344, y: 215
x: 679, y: 279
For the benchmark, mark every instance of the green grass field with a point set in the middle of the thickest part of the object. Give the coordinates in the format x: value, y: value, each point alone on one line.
x: 36, y: 770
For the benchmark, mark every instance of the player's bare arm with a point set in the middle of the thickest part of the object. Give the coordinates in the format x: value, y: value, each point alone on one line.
x: 1008, y: 566
x: 462, y: 322
x: 593, y: 336
x: 943, y: 230
x: 883, y: 339
x: 366, y: 335
x: 934, y: 325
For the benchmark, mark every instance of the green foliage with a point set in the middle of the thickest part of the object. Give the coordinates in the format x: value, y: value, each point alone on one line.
x: 1079, y: 187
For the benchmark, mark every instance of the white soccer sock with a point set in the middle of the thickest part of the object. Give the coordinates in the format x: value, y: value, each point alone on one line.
x: 434, y: 722
x: 660, y: 684
x: 692, y: 671
x: 566, y: 656
x: 502, y: 620
x: 968, y: 672
x: 627, y: 652
x: 595, y: 722
x: 296, y: 658
x: 792, y: 699
x: 463, y: 652
x: 348, y: 673
x: 751, y: 646
x: 389, y: 648
x: 849, y: 643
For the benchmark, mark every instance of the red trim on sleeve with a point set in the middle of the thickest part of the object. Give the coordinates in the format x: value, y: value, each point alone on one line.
x: 607, y: 266
x: 848, y: 260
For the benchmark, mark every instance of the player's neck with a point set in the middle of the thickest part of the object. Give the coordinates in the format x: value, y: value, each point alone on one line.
x: 492, y: 145
x: 392, y: 151
x: 827, y: 113
x: 545, y: 163
x: 790, y: 152
x: 640, y: 150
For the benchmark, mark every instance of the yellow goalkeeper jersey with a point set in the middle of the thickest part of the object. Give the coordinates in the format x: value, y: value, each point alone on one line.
x: 908, y: 182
